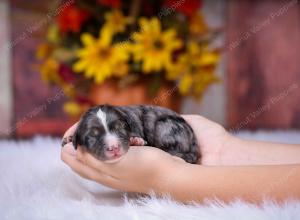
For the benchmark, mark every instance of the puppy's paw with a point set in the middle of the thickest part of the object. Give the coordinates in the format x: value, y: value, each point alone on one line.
x: 137, y: 141
x: 66, y: 140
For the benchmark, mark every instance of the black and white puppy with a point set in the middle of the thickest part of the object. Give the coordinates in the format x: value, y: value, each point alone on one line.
x: 107, y: 131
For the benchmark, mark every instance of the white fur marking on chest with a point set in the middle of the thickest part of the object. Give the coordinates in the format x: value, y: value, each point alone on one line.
x: 102, y: 117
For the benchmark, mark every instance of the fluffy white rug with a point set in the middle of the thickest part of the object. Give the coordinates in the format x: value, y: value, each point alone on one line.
x: 35, y: 184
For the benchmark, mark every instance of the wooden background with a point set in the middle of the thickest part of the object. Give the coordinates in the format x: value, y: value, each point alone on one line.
x: 37, y: 107
x: 263, y: 64
x: 263, y: 68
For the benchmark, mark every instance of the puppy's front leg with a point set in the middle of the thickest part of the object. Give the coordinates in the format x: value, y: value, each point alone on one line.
x: 66, y: 140
x: 137, y: 141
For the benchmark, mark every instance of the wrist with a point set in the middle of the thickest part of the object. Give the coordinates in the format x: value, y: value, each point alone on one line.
x: 168, y: 177
x: 219, y: 152
x: 183, y: 183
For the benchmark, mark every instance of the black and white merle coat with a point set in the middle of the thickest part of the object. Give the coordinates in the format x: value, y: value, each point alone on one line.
x: 107, y: 131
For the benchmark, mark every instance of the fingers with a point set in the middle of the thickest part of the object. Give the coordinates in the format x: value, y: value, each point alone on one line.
x: 70, y: 159
x: 68, y: 148
x: 84, y: 170
x: 194, y: 118
x: 91, y: 161
x: 178, y: 159
x: 201, y: 124
x: 68, y: 135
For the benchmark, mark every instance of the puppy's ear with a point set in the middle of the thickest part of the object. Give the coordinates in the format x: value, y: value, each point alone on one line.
x: 75, y: 139
x: 123, y: 118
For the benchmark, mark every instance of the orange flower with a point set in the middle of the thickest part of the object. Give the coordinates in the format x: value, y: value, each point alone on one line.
x: 197, y: 25
x: 186, y: 7
x: 43, y: 51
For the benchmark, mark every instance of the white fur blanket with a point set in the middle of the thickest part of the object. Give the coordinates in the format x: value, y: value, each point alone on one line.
x: 36, y: 185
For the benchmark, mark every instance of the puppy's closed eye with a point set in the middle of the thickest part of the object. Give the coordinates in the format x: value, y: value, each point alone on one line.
x: 94, y: 132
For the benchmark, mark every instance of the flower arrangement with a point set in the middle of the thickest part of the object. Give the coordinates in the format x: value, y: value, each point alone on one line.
x: 93, y: 41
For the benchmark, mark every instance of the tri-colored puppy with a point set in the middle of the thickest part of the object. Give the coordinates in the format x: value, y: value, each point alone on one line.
x: 107, y: 131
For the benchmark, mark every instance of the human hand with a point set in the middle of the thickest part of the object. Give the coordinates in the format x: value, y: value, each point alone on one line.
x: 142, y: 169
x: 145, y: 168
x: 212, y: 138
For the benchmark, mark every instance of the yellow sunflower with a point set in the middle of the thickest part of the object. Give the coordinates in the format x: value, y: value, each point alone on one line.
x: 72, y: 108
x: 99, y: 58
x: 116, y: 21
x: 194, y: 69
x: 153, y: 46
x: 53, y: 35
x: 43, y: 51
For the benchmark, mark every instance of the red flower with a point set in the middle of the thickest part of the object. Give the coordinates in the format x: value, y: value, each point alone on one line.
x: 83, y: 100
x: 66, y: 73
x: 71, y: 19
x: 187, y: 7
x: 110, y: 3
x: 147, y: 8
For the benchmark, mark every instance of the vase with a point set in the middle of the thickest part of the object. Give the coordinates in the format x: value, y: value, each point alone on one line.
x: 135, y: 94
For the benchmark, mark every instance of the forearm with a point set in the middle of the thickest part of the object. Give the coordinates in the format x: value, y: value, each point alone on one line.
x: 251, y: 183
x: 237, y: 151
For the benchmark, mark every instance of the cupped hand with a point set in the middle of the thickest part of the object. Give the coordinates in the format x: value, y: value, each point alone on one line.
x: 145, y: 168
x: 142, y: 169
x: 211, y: 136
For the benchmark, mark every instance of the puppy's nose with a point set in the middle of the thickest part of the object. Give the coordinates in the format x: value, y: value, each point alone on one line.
x: 116, y: 150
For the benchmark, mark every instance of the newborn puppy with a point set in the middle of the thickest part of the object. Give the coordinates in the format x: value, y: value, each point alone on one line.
x: 107, y: 131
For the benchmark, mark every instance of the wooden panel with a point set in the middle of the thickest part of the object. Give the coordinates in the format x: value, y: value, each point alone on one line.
x: 38, y: 108
x: 263, y: 64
